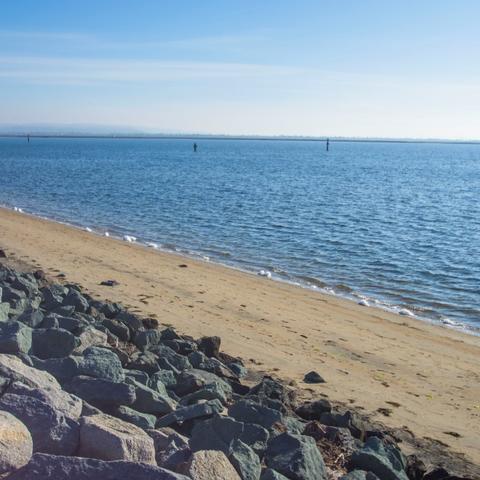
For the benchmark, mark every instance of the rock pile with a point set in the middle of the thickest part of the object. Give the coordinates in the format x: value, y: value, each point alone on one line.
x: 89, y: 390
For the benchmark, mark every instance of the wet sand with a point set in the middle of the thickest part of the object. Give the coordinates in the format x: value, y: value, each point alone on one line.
x: 401, y: 371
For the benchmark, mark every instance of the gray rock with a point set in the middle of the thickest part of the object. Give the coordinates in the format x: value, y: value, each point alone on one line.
x: 270, y: 474
x: 145, y: 339
x: 63, y: 369
x: 385, y: 461
x: 208, y: 392
x: 4, y: 311
x: 101, y: 393
x: 53, y: 296
x: 295, y: 456
x: 108, y: 438
x: 273, y: 394
x: 141, y: 420
x: 151, y: 401
x: 313, y: 410
x: 133, y: 323
x: 71, y: 324
x: 52, y: 432
x: 218, y: 432
x: 200, y: 361
x: 27, y: 285
x: 53, y: 343
x: 49, y: 467
x: 15, y: 338
x: 238, y: 369
x: 16, y: 444
x: 144, y: 361
x: 173, y: 455
x: 164, y: 437
x: 164, y: 377
x: 12, y: 295
x: 209, y: 465
x: 313, y: 377
x: 345, y: 420
x: 17, y: 307
x: 192, y: 380
x: 138, y: 376
x: 31, y: 317
x: 252, y: 412
x: 77, y: 300
x: 63, y: 310
x: 90, y: 337
x: 210, y: 346
x: 244, y: 460
x: 117, y: 328
x: 188, y: 413
x: 166, y: 353
x: 100, y: 363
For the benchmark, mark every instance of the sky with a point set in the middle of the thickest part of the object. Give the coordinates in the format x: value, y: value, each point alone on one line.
x: 357, y: 68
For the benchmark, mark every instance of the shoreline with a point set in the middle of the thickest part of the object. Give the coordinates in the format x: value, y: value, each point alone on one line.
x: 289, y: 279
x: 418, y: 366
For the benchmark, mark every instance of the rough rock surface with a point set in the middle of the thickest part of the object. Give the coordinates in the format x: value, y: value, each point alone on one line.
x: 209, y: 465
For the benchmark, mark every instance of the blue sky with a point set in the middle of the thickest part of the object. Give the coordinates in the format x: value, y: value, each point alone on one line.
x: 340, y: 67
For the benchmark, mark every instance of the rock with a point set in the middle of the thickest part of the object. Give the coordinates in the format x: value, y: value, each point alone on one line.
x: 346, y: 420
x: 252, y: 412
x: 141, y: 420
x: 218, y: 432
x: 15, y: 338
x: 208, y: 392
x: 238, y: 369
x: 164, y: 437
x: 71, y: 324
x: 270, y: 474
x: 90, y: 337
x: 385, y: 461
x: 117, y: 328
x: 39, y: 275
x: 130, y: 320
x: 188, y: 413
x: 16, y: 444
x: 359, y: 475
x: 183, y: 347
x: 100, y: 363
x: 77, y: 300
x: 144, y: 361
x: 151, y: 401
x: 416, y: 468
x: 295, y: 456
x: 51, y: 430
x: 338, y: 436
x: 313, y: 377
x: 53, y: 296
x: 63, y: 310
x: 173, y: 456
x: 314, y: 410
x: 170, y: 334
x: 200, y: 361
x: 108, y: 438
x: 273, y: 394
x: 138, y: 376
x: 12, y: 295
x: 192, y: 380
x: 209, y: 465
x: 53, y: 343
x: 244, y: 460
x: 4, y: 311
x: 101, y: 393
x: 174, y: 359
x: 210, y: 346
x: 2, y: 253
x: 164, y: 377
x: 63, y: 369
x: 51, y: 467
x: 31, y: 317
x: 147, y: 338
x: 27, y: 285
x: 109, y: 283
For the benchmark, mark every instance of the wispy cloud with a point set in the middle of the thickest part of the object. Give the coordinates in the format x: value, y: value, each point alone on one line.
x: 96, y: 71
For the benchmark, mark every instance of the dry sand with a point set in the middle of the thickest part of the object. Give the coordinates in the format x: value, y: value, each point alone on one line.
x: 426, y: 376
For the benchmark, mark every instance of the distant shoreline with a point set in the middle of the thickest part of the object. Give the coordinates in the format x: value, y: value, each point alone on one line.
x: 236, y: 138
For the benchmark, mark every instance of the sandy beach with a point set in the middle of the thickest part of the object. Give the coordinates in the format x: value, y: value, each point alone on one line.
x: 419, y: 375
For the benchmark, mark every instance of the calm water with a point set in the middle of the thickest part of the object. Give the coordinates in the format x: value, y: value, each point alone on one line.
x: 396, y: 224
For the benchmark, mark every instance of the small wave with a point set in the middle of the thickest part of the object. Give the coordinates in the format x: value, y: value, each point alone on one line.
x: 106, y: 234
x: 406, y: 312
x: 265, y: 273
x: 151, y: 245
x: 363, y: 302
x: 129, y: 238
x: 18, y: 209
x: 88, y: 229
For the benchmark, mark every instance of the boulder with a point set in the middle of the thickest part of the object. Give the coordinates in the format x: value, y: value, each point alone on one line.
x: 4, y: 311
x: 63, y: 369
x: 52, y: 296
x: 141, y: 420
x: 100, y: 363
x: 296, y: 456
x: 244, y: 460
x: 192, y: 380
x: 53, y: 343
x: 144, y: 361
x: 208, y: 392
x: 90, y: 337
x: 164, y: 437
x: 385, y: 461
x: 52, y: 467
x: 117, y: 328
x: 145, y: 339
x: 151, y: 401
x: 173, y: 456
x: 138, y: 376
x: 348, y: 420
x: 172, y: 358
x: 51, y: 430
x: 133, y: 323
x: 210, y: 346
x: 188, y: 413
x: 313, y: 410
x: 209, y: 465
x: 15, y: 338
x: 26, y: 284
x: 77, y: 300
x: 101, y: 393
x: 164, y: 377
x: 273, y: 394
x: 252, y: 412
x: 31, y: 317
x: 313, y: 377
x: 200, y: 361
x: 16, y: 444
x: 270, y: 474
x: 218, y: 432
x: 108, y: 438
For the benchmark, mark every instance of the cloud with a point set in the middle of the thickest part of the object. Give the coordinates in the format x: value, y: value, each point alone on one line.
x: 85, y: 70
